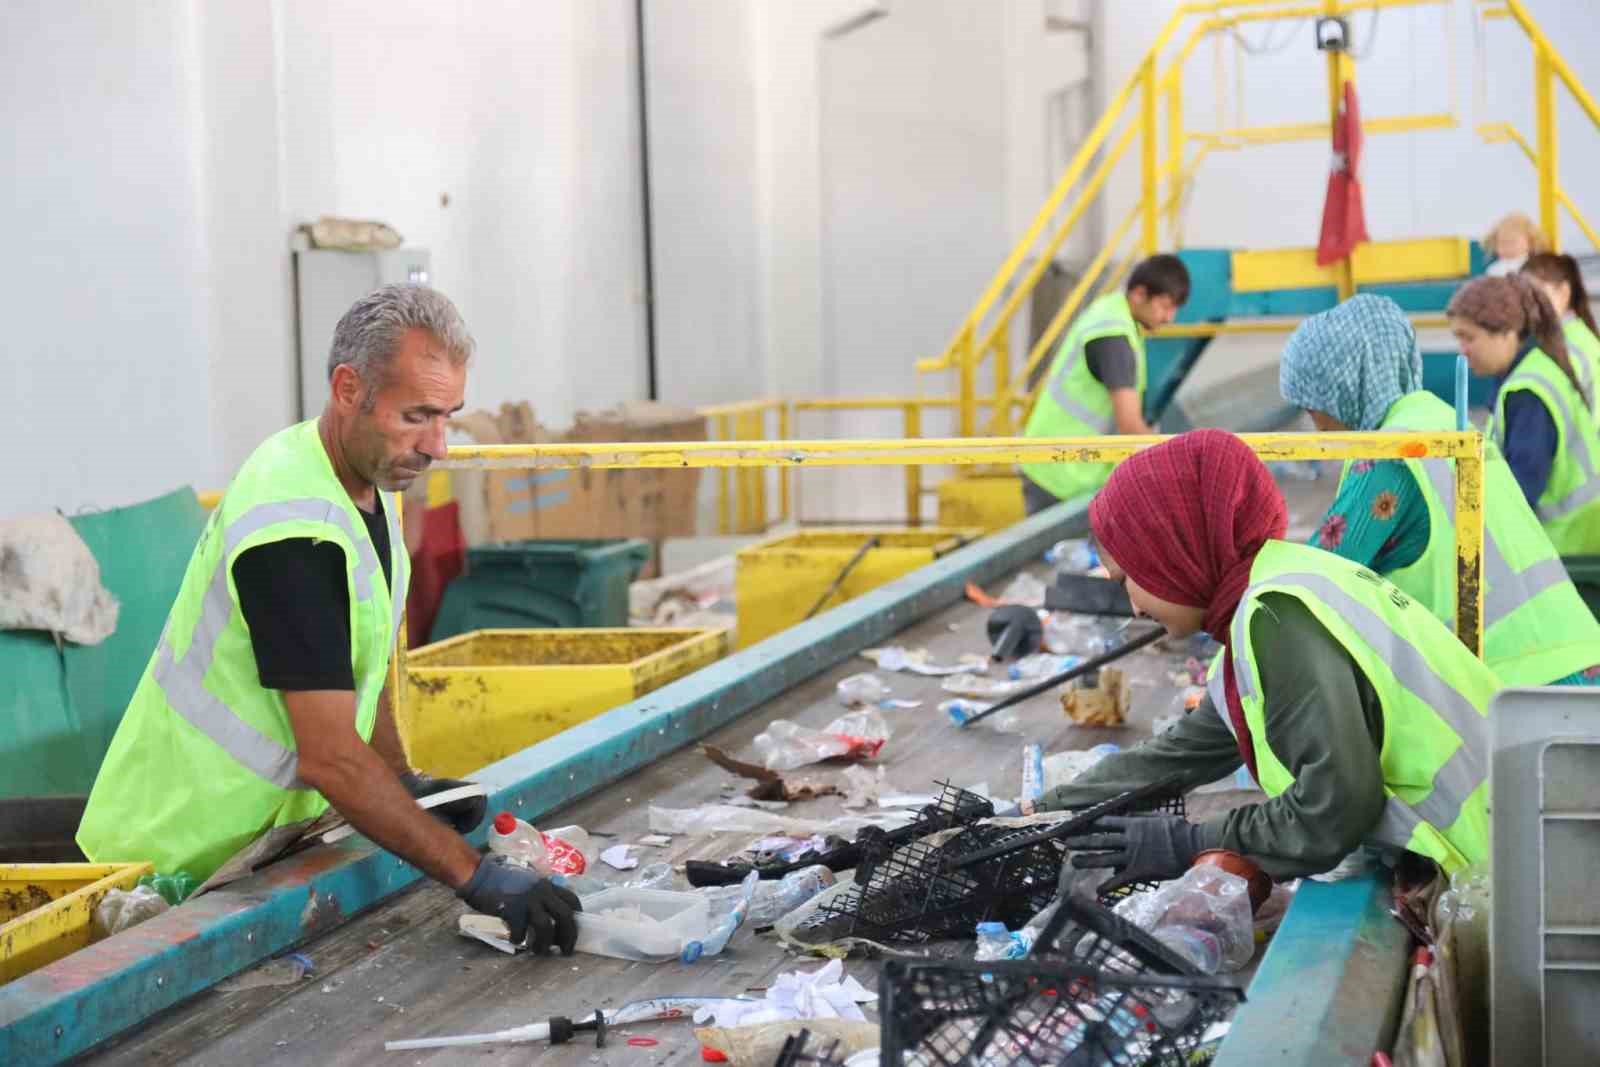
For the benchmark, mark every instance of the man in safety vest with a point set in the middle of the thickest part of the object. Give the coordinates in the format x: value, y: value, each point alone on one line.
x: 1096, y: 383
x: 267, y: 698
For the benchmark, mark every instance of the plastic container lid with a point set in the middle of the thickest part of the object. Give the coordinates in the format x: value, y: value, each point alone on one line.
x: 505, y: 822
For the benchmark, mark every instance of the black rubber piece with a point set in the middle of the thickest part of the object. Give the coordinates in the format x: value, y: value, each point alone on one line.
x: 1014, y: 631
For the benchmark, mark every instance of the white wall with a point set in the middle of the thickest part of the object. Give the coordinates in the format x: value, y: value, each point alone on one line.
x: 161, y: 155
x: 1422, y: 184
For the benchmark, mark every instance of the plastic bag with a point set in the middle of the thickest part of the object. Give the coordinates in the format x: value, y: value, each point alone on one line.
x: 862, y: 690
x: 786, y: 745
x: 1207, y: 905
x: 1063, y: 768
x: 121, y: 909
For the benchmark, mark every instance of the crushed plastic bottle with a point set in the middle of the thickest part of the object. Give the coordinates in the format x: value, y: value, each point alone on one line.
x: 993, y: 942
x: 122, y: 909
x: 772, y: 900
x: 786, y: 745
x: 1206, y: 900
x: 565, y: 851
x: 962, y: 711
x: 1075, y: 554
x: 1041, y: 665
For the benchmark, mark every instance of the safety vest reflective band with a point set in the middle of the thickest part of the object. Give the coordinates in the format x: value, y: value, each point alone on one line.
x: 1434, y: 695
x: 1569, y: 507
x: 204, y: 760
x: 1584, y: 348
x: 1074, y: 403
x: 1537, y: 628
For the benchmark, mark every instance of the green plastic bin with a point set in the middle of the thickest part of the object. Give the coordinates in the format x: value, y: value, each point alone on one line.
x: 523, y: 585
x: 1585, y: 574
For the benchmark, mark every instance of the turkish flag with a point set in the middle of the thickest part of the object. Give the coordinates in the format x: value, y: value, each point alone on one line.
x: 1344, y: 219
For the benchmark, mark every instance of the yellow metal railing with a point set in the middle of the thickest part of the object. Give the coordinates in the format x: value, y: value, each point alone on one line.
x: 1154, y: 93
x: 1465, y: 448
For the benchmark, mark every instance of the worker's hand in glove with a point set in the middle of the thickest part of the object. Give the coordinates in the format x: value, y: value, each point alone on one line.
x: 464, y: 814
x: 1141, y: 848
x: 534, y: 909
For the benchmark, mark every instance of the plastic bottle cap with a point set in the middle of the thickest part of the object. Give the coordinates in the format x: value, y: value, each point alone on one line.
x: 712, y: 1055
x: 505, y: 822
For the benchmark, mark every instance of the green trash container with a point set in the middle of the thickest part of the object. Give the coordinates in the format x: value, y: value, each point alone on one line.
x: 1585, y: 574
x: 522, y: 585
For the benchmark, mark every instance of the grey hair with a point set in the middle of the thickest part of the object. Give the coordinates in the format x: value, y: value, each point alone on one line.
x: 368, y: 335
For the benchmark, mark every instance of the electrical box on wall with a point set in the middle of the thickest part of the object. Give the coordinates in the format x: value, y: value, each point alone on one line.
x: 326, y: 284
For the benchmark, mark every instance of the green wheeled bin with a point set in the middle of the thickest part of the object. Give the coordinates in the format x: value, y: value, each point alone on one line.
x: 522, y: 585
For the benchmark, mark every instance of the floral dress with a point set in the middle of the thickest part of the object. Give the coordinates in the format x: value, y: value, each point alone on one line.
x: 1380, y: 518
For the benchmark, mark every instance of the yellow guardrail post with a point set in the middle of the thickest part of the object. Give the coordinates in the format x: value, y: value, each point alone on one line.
x: 1150, y: 198
x: 912, y: 431
x: 966, y: 360
x: 1175, y: 147
x: 1544, y: 110
x: 1000, y: 414
x: 1469, y: 549
x: 724, y: 481
x: 785, y: 431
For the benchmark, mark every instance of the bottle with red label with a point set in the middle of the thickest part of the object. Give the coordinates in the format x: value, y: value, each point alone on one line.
x: 565, y: 851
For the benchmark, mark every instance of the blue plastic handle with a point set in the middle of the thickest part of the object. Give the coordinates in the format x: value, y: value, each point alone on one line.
x: 1461, y: 394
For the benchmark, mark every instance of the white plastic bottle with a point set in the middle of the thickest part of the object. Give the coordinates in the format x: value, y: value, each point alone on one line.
x: 772, y: 900
x: 519, y: 842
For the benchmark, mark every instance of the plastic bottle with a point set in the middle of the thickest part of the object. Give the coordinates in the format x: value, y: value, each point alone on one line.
x: 730, y: 921
x: 1073, y: 554
x: 772, y: 900
x: 174, y: 888
x: 993, y: 942
x: 519, y: 842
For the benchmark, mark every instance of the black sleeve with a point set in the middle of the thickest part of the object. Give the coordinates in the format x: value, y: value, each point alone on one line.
x: 1325, y: 725
x: 1113, y: 362
x: 296, y: 604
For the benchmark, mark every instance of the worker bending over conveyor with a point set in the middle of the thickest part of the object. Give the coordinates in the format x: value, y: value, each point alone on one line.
x: 267, y: 698
x: 1095, y: 384
x: 1357, y: 367
x: 1360, y: 715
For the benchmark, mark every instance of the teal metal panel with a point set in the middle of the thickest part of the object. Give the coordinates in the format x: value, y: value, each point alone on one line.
x: 1329, y: 990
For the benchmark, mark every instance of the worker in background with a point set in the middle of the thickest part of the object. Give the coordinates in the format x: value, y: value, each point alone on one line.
x: 1360, y: 715
x: 1511, y: 241
x: 1096, y: 383
x: 1357, y: 367
x: 267, y: 698
x: 1559, y: 278
x: 1542, y: 425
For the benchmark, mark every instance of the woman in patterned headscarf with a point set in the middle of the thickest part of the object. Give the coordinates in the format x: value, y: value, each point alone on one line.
x: 1357, y: 367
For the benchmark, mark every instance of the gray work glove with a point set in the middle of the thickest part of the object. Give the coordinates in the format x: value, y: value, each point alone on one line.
x: 534, y: 909
x: 1140, y: 848
x: 463, y: 815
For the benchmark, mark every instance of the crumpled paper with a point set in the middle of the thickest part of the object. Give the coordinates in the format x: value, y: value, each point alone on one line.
x: 826, y: 993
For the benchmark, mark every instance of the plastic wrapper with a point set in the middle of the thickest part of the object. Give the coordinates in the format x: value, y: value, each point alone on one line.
x: 1063, y: 768
x: 862, y: 787
x: 786, y: 745
x: 760, y: 1045
x: 1040, y: 665
x: 1206, y: 903
x: 862, y: 690
x: 981, y: 688
x: 123, y: 909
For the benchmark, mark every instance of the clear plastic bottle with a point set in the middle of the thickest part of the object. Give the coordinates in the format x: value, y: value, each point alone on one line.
x: 519, y: 842
x: 1200, y: 947
x: 772, y: 900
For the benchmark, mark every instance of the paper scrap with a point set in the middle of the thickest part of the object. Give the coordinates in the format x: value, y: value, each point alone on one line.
x: 656, y: 840
x: 617, y: 858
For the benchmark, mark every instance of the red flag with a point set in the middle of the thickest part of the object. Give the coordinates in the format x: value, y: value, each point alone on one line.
x: 1344, y: 219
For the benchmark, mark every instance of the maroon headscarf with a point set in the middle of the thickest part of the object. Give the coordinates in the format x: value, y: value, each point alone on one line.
x: 1185, y: 519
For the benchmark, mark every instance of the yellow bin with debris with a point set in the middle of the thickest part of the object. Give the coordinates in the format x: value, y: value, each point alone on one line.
x: 989, y: 501
x: 779, y: 582
x: 478, y: 697
x: 47, y: 909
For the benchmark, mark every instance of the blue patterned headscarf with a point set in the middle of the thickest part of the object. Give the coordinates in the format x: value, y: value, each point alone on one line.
x: 1353, y: 361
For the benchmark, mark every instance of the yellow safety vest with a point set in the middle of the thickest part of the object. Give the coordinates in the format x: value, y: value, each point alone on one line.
x: 1074, y: 403
x: 1569, y: 507
x: 204, y: 761
x: 1434, y: 694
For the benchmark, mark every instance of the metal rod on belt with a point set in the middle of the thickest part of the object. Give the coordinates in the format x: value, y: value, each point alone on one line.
x: 1066, y: 676
x: 861, y: 553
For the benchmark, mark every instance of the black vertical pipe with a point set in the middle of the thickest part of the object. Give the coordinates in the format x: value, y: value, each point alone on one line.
x: 652, y: 385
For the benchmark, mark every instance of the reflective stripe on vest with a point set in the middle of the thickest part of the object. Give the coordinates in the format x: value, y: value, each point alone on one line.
x: 1507, y: 589
x: 183, y: 680
x: 1588, y: 488
x: 1460, y: 774
x: 1104, y: 424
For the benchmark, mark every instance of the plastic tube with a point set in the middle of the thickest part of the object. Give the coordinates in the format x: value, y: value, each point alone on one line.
x: 632, y: 1012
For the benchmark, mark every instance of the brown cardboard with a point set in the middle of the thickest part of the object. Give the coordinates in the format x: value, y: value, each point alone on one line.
x: 508, y: 505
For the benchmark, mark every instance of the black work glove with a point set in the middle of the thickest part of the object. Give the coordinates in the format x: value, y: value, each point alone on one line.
x: 1140, y: 848
x: 534, y: 909
x: 464, y: 815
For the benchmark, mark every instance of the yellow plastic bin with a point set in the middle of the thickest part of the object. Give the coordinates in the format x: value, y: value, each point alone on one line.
x: 47, y: 909
x: 478, y: 697
x: 777, y: 582
x: 988, y: 501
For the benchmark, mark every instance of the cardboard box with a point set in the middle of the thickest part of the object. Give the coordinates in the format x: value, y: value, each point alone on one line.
x: 513, y: 505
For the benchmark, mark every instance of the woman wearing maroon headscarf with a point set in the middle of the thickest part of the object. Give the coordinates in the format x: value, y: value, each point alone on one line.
x: 1358, y: 712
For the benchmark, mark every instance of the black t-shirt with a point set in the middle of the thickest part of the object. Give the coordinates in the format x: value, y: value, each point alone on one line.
x: 1113, y: 362
x: 294, y: 597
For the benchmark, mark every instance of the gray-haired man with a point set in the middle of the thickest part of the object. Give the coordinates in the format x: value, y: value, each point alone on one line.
x: 267, y: 700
